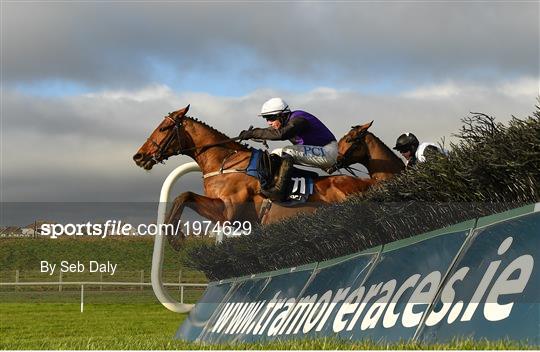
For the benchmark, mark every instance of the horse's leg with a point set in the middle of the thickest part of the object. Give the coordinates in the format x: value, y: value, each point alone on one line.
x: 210, y: 208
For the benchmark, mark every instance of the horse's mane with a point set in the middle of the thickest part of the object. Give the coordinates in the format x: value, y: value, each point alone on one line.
x: 386, y: 148
x: 219, y: 133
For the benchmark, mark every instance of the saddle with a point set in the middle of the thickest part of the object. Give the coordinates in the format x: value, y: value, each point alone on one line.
x: 265, y: 166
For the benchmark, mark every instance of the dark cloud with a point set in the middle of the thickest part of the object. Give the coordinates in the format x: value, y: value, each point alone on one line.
x: 81, y: 148
x: 122, y: 44
x: 446, y: 58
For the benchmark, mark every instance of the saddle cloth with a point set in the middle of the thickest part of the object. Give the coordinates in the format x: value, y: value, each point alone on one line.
x: 264, y: 167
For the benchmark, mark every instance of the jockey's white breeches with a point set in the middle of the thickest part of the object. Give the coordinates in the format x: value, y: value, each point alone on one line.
x: 310, y: 155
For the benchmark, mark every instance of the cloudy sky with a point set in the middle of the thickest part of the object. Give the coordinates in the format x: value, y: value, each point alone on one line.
x: 85, y: 82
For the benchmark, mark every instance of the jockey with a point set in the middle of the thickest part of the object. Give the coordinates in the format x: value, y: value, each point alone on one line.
x: 414, y: 151
x: 313, y: 143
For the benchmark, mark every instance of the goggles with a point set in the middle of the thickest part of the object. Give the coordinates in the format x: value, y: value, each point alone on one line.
x: 272, y: 117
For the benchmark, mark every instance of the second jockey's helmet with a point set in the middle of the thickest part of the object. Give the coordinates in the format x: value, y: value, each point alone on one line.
x: 274, y: 108
x: 406, y: 141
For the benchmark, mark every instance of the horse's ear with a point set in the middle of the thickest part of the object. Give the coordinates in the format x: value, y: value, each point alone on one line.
x: 365, y: 126
x: 182, y: 112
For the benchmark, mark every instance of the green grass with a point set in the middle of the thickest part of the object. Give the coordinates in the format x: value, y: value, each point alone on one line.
x: 130, y: 253
x: 149, y: 326
x: 101, y: 326
x: 146, y: 296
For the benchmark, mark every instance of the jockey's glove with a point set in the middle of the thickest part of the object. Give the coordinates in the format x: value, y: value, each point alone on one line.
x: 246, y: 134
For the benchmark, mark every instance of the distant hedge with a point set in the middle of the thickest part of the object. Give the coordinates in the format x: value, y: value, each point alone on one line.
x: 490, y: 169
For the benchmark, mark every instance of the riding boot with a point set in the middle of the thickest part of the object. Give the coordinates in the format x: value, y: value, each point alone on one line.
x: 279, y: 190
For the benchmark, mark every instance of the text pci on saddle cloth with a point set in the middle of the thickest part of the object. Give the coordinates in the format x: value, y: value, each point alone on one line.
x: 120, y: 228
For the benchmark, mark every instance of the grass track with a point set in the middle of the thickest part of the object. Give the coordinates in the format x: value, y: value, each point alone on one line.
x: 149, y: 326
x: 101, y: 326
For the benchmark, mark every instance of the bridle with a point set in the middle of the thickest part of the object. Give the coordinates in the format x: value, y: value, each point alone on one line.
x: 158, y: 155
x: 343, y: 163
x: 178, y: 128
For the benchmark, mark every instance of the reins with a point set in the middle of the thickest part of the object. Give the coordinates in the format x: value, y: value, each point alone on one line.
x: 177, y: 125
x: 161, y: 149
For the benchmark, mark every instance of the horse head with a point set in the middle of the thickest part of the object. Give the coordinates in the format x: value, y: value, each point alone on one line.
x: 166, y: 140
x: 352, y: 147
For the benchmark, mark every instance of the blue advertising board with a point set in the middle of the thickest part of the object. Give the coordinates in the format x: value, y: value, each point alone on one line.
x: 493, y: 290
x: 474, y: 279
x: 402, y: 284
x: 256, y: 302
x: 333, y: 283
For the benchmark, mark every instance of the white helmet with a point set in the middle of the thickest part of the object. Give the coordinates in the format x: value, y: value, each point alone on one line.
x: 274, y: 106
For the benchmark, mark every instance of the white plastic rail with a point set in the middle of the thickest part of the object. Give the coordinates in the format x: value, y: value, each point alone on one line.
x: 159, y: 244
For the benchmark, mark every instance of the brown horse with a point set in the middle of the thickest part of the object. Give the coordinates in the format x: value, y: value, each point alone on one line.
x: 230, y: 194
x: 361, y: 146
